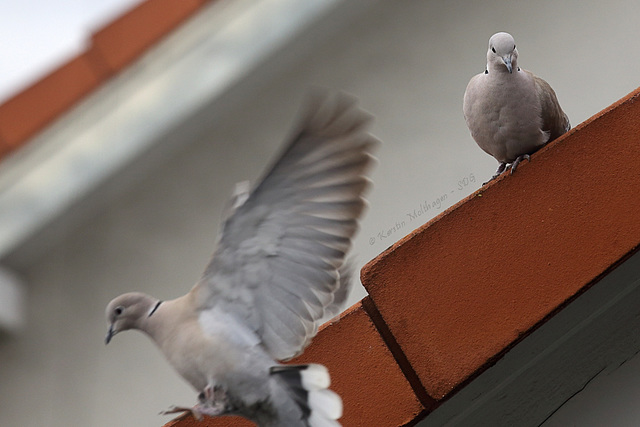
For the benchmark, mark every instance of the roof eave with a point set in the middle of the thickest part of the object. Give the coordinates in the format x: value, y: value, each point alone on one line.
x: 133, y: 112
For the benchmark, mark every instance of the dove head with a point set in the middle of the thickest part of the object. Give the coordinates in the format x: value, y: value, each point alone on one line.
x: 129, y: 311
x: 502, y: 54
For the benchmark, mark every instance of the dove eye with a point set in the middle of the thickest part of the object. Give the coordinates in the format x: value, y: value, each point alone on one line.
x: 514, y: 46
x: 493, y: 49
x: 118, y: 311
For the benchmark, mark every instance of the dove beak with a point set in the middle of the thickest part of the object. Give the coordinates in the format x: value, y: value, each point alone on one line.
x: 507, y: 61
x: 110, y: 335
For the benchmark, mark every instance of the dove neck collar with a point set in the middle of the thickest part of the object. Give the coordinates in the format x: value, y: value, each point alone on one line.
x: 153, y: 310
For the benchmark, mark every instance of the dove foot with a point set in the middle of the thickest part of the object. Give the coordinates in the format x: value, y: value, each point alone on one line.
x: 198, y: 411
x: 212, y: 402
x: 501, y: 168
x: 517, y: 161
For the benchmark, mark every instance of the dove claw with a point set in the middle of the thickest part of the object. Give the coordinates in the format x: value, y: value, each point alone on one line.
x: 517, y: 161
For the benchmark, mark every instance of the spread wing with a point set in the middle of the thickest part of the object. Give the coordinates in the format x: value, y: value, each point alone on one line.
x: 276, y: 267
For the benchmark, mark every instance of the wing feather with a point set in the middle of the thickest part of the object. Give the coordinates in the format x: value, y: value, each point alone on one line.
x: 277, y: 265
x: 554, y: 120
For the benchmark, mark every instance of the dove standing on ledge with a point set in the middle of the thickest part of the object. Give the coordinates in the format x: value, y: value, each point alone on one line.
x: 510, y: 112
x: 278, y: 268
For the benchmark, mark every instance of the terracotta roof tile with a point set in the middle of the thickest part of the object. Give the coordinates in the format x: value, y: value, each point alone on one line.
x: 113, y: 47
x: 488, y: 271
x: 30, y: 110
x: 124, y: 39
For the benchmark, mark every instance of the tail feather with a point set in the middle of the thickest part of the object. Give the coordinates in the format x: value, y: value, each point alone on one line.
x: 308, y: 386
x: 325, y: 402
x: 315, y: 377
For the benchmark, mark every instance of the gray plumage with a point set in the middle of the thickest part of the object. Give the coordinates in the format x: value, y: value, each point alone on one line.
x: 346, y: 273
x: 273, y: 277
x: 510, y: 112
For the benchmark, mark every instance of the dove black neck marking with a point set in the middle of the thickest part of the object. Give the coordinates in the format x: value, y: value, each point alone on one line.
x: 153, y: 310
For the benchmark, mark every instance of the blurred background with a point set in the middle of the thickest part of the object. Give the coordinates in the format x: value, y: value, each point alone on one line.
x: 124, y: 189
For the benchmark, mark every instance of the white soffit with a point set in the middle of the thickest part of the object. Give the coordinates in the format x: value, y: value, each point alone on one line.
x: 195, y: 64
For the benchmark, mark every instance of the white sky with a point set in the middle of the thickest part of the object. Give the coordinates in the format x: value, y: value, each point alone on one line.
x: 38, y: 35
